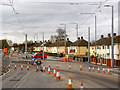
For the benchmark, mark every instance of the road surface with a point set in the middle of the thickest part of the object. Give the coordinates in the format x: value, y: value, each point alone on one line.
x: 32, y: 79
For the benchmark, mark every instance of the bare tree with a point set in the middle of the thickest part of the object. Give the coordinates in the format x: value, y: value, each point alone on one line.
x: 53, y: 38
x: 61, y: 33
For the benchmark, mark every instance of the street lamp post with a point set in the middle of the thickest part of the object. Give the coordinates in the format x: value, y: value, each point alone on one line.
x: 26, y: 45
x: 65, y: 36
x: 112, y: 31
x: 37, y: 37
x: 77, y: 34
x: 88, y: 44
x: 95, y: 34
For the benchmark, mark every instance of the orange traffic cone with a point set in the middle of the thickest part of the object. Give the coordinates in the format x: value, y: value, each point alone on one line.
x: 27, y: 67
x: 108, y: 70
x: 81, y: 85
x: 34, y: 63
x: 54, y: 74
x: 103, y: 70
x: 69, y: 83
x: 43, y: 68
x: 58, y: 75
x: 89, y: 68
x: 49, y: 69
x: 81, y: 67
x: 93, y: 68
x: 57, y: 66
x: 15, y: 66
x: 37, y: 69
x: 69, y: 66
x: 9, y: 66
x: 21, y: 66
x: 98, y: 69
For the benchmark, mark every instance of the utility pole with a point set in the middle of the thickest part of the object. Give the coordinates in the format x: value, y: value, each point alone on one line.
x: 112, y: 39
x: 88, y: 44
x: 95, y: 40
x: 65, y: 39
x: 95, y: 35
x: 65, y: 36
x: 34, y: 38
x: 43, y: 45
x: 77, y: 37
x: 26, y: 45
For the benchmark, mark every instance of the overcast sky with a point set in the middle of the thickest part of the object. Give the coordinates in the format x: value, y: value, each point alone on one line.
x: 37, y: 16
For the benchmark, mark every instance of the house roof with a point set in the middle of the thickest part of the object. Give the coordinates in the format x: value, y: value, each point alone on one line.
x: 62, y: 43
x: 80, y: 42
x: 68, y: 43
x: 106, y: 41
x: 37, y: 44
x: 56, y: 43
x: 47, y: 44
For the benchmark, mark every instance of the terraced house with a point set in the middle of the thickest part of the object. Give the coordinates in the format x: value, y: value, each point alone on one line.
x: 37, y: 46
x: 104, y: 50
x: 59, y: 46
x: 80, y: 48
x: 47, y: 47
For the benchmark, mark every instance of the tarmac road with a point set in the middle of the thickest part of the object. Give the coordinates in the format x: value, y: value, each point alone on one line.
x: 33, y: 79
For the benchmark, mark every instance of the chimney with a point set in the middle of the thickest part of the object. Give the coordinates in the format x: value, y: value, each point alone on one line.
x: 48, y: 40
x: 60, y: 39
x: 35, y: 42
x: 56, y: 40
x: 109, y: 35
x: 67, y: 39
x: 114, y: 34
x: 81, y: 37
x: 40, y: 41
x: 45, y: 41
x: 102, y: 36
x: 78, y: 38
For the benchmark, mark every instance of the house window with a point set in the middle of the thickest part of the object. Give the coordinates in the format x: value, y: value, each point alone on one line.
x: 103, y: 47
x: 92, y: 47
x: 108, y: 47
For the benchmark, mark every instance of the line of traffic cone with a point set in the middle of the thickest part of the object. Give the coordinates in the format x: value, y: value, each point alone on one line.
x: 89, y: 68
x: 58, y: 75
x: 37, y: 69
x: 43, y: 68
x: 34, y: 64
x: 80, y: 67
x: 21, y: 66
x: 54, y: 73
x: 98, y: 70
x: 49, y: 69
x: 103, y: 70
x: 15, y: 66
x: 93, y: 68
x: 108, y: 70
x: 57, y: 66
x: 69, y: 66
x: 69, y: 83
x: 9, y: 66
x: 81, y: 85
x: 27, y: 67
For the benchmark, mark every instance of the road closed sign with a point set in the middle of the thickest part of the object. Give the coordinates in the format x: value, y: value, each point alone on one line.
x: 33, y: 59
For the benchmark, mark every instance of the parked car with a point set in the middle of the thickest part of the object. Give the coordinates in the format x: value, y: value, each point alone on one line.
x: 39, y: 55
